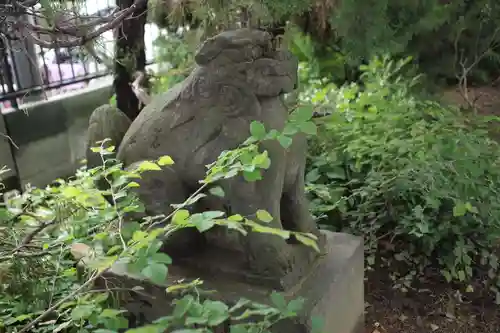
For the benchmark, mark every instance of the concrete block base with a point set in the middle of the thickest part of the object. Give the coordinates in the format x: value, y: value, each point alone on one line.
x: 333, y: 289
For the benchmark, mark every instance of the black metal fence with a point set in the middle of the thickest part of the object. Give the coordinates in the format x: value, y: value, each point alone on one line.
x: 30, y: 72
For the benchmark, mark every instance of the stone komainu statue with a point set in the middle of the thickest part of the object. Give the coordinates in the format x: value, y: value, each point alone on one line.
x: 239, y: 78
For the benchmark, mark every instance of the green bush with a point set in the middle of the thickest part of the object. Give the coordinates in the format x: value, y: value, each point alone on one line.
x: 441, y: 35
x: 44, y: 232
x: 390, y: 165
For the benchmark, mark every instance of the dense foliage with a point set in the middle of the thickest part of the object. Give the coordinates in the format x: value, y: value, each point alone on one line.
x: 416, y: 178
x: 58, y: 243
x: 406, y: 172
x: 447, y: 39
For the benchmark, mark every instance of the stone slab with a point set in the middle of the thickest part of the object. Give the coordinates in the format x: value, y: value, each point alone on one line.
x: 333, y: 289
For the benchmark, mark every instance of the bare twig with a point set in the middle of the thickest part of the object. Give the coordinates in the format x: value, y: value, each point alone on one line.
x: 9, y: 139
x: 139, y: 89
x: 66, y: 33
x: 28, y: 255
x: 466, y: 67
x: 29, y: 237
x: 28, y: 326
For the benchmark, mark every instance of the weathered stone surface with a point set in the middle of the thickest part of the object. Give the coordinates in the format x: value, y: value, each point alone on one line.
x: 332, y: 288
x: 106, y: 122
x: 239, y: 79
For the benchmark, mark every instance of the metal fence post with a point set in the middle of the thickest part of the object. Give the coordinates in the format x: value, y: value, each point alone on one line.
x: 28, y: 72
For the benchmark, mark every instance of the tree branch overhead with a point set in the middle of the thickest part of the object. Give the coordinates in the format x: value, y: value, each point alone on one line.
x: 61, y: 30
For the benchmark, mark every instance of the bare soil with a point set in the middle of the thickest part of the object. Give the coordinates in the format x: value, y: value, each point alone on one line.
x: 434, y: 307
x: 486, y: 99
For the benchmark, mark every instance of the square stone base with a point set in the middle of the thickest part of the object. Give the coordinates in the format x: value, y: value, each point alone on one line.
x: 333, y: 289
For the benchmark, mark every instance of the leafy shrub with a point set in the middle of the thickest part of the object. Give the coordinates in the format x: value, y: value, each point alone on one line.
x: 173, y: 50
x: 441, y: 35
x: 43, y: 230
x: 392, y: 166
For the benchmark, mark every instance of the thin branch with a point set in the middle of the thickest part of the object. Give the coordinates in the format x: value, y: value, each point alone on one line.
x: 28, y: 255
x: 30, y: 325
x: 466, y: 68
x: 9, y: 139
x: 139, y: 89
x: 70, y: 35
x: 29, y: 237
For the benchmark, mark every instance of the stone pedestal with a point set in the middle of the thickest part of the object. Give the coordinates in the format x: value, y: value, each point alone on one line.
x: 332, y: 289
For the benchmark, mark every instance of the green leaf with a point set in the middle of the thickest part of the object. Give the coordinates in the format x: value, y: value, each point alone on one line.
x: 459, y: 210
x: 461, y: 276
x: 71, y: 191
x: 317, y: 324
x: 66, y: 324
x: 111, y: 313
x: 213, y: 214
x: 148, y: 166
x: 235, y: 217
x: 165, y: 160
x: 257, y: 130
x: 278, y: 301
x: 290, y: 129
x: 285, y: 234
x: 218, y: 312
x: 110, y: 149
x: 114, y: 249
x: 241, y: 303
x: 180, y: 216
x: 182, y: 306
x: 202, y: 224
x: 446, y: 275
x: 307, y: 241
x: 303, y: 113
x: 295, y: 305
x: 139, y: 235
x: 285, y: 141
x: 217, y: 191
x: 252, y: 176
x: 147, y: 329
x: 272, y: 135
x: 82, y: 312
x: 238, y: 328
x: 309, y: 128
x: 312, y: 176
x: 262, y: 160
x: 156, y: 272
x: 231, y: 173
x: 132, y: 184
x: 162, y: 258
x: 264, y: 216
x: 470, y: 208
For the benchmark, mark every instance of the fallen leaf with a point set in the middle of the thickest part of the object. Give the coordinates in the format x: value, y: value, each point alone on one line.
x: 434, y: 327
